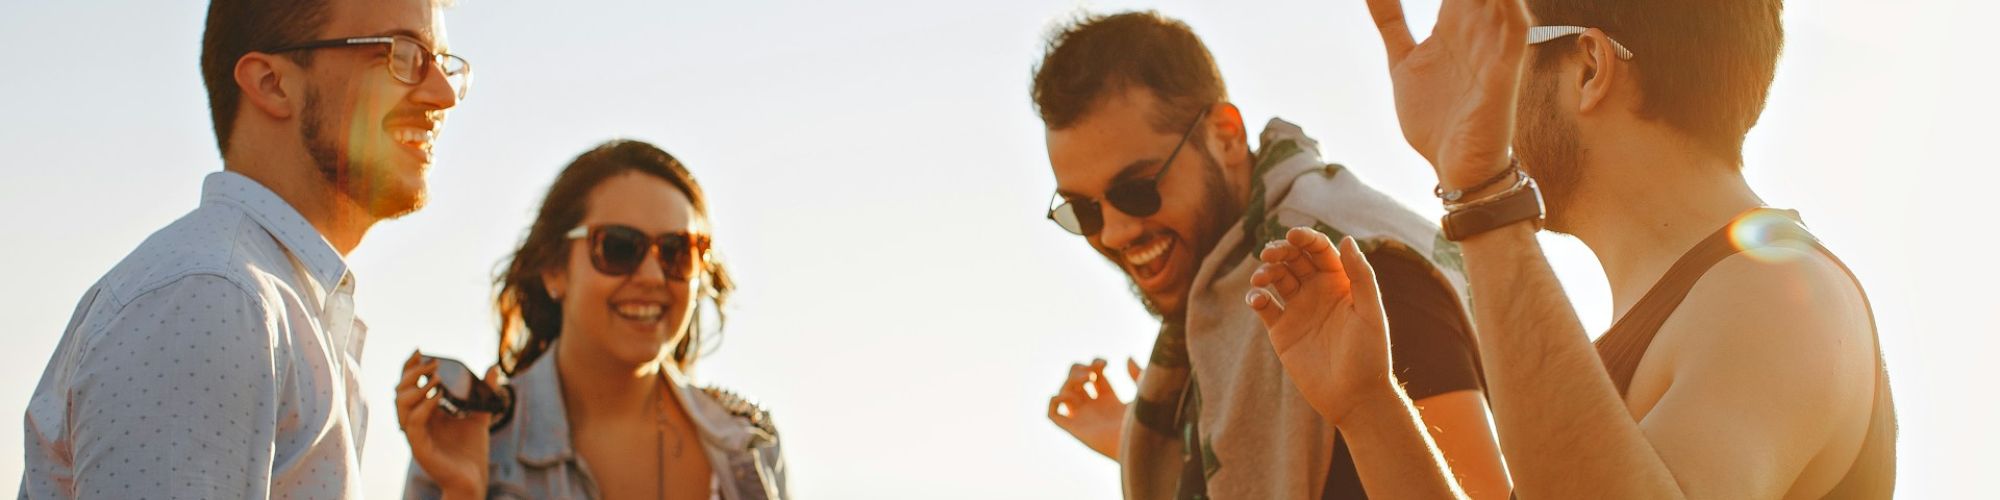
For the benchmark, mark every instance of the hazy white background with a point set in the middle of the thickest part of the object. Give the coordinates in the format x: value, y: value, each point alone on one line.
x: 878, y: 178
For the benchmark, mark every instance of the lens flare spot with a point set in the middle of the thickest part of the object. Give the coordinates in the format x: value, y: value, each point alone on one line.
x: 1767, y: 236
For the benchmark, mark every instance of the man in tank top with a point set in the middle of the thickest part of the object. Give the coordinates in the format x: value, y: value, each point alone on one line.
x: 1744, y: 361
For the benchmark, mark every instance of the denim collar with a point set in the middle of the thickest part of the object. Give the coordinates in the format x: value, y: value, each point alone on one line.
x: 544, y: 420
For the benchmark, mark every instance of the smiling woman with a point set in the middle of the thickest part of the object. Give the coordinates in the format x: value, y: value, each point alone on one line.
x: 532, y: 309
x: 600, y: 333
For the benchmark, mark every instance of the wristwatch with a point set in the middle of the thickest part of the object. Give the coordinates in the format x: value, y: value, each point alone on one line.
x: 1522, y: 202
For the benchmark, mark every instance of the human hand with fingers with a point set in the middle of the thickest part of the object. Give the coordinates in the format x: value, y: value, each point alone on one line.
x: 1331, y: 333
x: 452, y: 450
x: 1089, y: 409
x: 1456, y: 91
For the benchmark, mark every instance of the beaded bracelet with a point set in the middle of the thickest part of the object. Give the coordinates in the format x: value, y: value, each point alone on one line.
x: 1449, y: 197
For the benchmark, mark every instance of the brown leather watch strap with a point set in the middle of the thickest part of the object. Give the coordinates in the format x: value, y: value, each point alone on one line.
x: 1486, y: 215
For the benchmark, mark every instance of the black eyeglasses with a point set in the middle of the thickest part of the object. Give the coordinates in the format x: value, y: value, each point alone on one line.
x: 409, y: 59
x: 1135, y: 197
x: 617, y: 250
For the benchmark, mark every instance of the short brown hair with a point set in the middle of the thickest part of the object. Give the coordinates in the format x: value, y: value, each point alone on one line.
x: 238, y: 27
x: 1704, y: 67
x: 1097, y: 55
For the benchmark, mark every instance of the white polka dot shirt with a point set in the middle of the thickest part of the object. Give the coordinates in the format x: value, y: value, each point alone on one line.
x: 218, y: 360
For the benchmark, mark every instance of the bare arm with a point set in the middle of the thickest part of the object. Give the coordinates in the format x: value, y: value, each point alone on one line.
x: 1394, y: 456
x: 1560, y: 419
x: 1762, y: 379
x: 1333, y: 341
x: 1458, y: 422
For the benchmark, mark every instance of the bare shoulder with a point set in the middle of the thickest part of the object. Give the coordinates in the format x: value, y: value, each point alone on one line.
x: 1793, y: 297
x: 1790, y: 318
x: 1774, y: 353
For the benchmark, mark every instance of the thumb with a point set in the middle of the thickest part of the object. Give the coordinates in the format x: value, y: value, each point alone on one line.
x: 1361, y: 275
x: 1099, y: 382
x: 495, y: 377
x: 1132, y: 365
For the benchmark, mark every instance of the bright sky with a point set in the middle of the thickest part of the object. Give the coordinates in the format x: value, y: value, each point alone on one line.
x: 878, y: 177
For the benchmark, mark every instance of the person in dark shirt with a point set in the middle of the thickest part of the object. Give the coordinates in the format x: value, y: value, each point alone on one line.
x: 1154, y: 168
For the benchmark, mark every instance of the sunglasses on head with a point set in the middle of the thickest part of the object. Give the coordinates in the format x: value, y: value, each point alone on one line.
x: 618, y: 250
x: 1134, y: 197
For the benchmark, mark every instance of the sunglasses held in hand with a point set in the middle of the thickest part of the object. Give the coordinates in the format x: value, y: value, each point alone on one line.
x: 462, y: 392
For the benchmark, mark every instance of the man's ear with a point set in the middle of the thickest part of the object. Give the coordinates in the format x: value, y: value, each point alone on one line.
x: 1227, y: 136
x: 1601, y: 67
x: 270, y: 84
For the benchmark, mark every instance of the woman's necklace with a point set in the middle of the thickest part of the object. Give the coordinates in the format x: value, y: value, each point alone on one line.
x: 660, y: 439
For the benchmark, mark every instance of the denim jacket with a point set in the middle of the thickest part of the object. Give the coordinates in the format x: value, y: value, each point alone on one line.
x: 531, y: 456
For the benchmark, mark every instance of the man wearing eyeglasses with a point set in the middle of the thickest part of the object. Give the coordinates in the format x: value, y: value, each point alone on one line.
x: 220, y: 358
x: 1743, y: 362
x: 1154, y: 169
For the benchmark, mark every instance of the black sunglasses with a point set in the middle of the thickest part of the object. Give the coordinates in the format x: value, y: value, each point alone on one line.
x: 1135, y: 197
x: 617, y: 250
x: 409, y: 59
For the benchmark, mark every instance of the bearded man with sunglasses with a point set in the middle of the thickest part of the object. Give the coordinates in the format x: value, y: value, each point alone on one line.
x: 220, y: 358
x: 1154, y: 168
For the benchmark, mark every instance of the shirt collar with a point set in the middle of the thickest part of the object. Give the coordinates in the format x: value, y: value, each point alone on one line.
x: 544, y: 420
x: 305, y: 243
x: 717, y: 425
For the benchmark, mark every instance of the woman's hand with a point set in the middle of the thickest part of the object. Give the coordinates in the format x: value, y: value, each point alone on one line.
x: 451, y: 450
x: 1327, y: 326
x: 1089, y: 409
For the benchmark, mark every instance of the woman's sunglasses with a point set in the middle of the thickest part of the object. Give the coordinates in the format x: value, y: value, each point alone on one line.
x: 1135, y: 197
x: 617, y: 250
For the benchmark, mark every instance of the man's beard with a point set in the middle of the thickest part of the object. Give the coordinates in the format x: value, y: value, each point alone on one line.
x: 1217, y: 210
x: 1548, y: 148
x: 367, y: 182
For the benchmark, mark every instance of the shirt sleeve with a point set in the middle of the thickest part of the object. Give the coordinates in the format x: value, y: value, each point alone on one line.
x: 176, y: 396
x: 774, y: 461
x: 1430, y: 346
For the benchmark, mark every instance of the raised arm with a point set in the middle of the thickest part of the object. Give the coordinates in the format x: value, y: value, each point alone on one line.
x: 1333, y: 340
x: 1742, y: 404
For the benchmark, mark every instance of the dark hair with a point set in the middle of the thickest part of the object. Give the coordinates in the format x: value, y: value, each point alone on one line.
x: 1098, y: 55
x: 1704, y: 67
x: 238, y: 27
x: 531, y: 320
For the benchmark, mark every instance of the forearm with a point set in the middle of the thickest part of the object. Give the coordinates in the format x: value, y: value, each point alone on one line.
x: 475, y: 493
x: 1393, y: 455
x: 1565, y: 430
x: 420, y: 486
